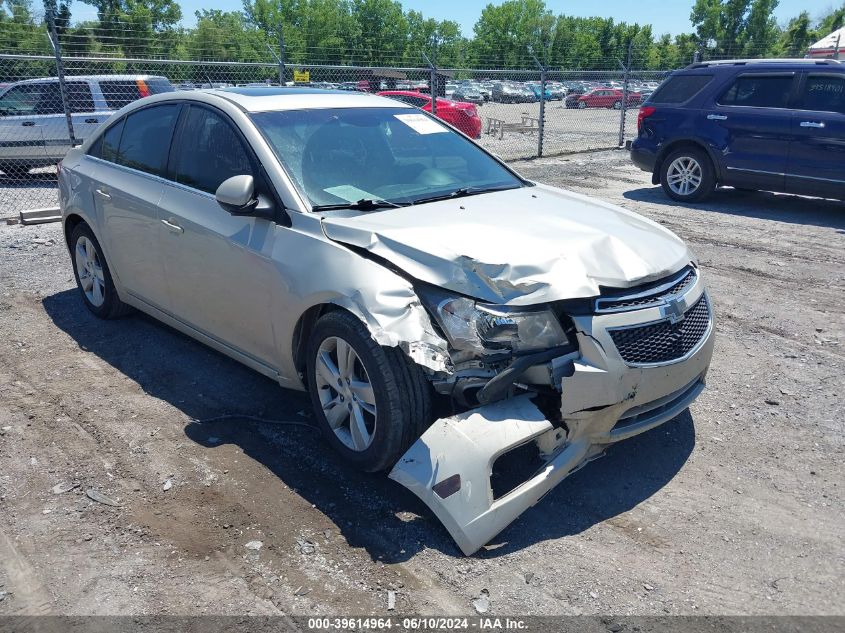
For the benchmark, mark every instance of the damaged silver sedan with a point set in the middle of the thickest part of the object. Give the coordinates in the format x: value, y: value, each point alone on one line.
x: 478, y: 335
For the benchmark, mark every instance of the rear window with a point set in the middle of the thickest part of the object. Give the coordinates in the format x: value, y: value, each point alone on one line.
x: 79, y: 97
x: 824, y: 93
x: 680, y: 88
x: 759, y: 91
x: 145, y: 142
x: 121, y: 92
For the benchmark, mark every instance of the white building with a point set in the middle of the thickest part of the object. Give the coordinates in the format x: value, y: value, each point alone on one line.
x: 831, y: 46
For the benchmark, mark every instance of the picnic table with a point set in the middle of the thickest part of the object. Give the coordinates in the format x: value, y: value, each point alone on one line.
x: 528, y: 125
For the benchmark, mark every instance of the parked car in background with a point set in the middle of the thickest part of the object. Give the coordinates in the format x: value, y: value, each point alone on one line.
x: 467, y: 95
x: 462, y: 116
x: 33, y: 126
x: 358, y: 249
x: 507, y: 93
x: 549, y: 95
x: 604, y: 98
x: 777, y: 125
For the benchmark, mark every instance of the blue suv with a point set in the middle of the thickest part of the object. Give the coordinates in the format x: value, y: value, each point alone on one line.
x: 776, y: 125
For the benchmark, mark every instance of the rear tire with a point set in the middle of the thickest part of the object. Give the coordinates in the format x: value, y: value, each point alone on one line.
x: 687, y: 175
x: 374, y: 423
x: 93, y: 277
x: 617, y: 105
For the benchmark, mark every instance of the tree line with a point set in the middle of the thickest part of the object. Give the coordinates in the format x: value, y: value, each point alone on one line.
x: 511, y: 34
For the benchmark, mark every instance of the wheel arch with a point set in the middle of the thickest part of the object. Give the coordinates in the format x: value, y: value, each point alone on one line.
x: 303, y: 328
x: 679, y: 144
x: 72, y: 220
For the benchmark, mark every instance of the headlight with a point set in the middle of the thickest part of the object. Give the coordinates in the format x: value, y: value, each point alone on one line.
x: 478, y: 327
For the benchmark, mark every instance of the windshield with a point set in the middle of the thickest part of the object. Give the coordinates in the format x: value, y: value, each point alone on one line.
x: 398, y: 155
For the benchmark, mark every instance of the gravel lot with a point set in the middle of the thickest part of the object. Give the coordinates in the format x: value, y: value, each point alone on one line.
x: 735, y: 507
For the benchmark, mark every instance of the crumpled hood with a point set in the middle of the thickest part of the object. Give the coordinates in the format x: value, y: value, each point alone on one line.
x: 521, y: 247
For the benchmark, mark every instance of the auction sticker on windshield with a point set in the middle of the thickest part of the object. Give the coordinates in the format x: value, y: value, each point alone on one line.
x: 421, y: 124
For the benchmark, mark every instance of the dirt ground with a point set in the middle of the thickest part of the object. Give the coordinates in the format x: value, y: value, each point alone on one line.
x: 735, y: 507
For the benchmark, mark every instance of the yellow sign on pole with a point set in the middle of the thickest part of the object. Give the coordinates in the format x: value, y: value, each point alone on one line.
x: 302, y: 76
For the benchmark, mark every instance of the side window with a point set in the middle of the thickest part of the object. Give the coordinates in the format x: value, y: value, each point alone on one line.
x: 110, y: 142
x: 32, y: 99
x: 214, y: 151
x: 825, y: 93
x: 119, y: 93
x: 79, y: 97
x: 18, y: 100
x: 680, y: 88
x: 49, y: 99
x: 145, y: 142
x: 759, y: 91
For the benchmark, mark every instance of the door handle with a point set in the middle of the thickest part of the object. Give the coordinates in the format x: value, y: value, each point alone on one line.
x: 175, y: 228
x: 716, y: 117
x: 28, y: 123
x: 92, y: 120
x: 102, y: 194
x: 813, y: 124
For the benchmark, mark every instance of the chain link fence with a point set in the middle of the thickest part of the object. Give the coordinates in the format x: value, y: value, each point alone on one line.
x: 51, y: 102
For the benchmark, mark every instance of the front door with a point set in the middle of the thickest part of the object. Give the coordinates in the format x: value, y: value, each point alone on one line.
x: 21, y: 121
x: 219, y: 267
x: 817, y: 153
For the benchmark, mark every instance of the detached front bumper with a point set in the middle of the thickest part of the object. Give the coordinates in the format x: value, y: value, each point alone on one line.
x: 605, y: 399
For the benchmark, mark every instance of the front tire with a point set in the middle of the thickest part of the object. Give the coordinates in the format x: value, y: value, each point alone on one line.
x: 93, y: 277
x: 371, y: 402
x: 687, y: 175
x: 582, y: 105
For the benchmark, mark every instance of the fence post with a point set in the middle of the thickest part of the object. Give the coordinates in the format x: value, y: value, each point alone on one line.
x: 281, y: 55
x: 624, y: 109
x: 432, y: 83
x: 60, y: 73
x: 541, y: 122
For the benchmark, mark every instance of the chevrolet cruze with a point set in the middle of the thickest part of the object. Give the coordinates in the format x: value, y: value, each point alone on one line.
x: 441, y: 310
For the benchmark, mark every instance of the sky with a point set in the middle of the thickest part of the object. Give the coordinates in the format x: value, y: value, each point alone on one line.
x: 666, y: 16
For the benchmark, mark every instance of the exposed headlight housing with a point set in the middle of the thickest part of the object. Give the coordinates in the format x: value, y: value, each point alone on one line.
x: 484, y: 328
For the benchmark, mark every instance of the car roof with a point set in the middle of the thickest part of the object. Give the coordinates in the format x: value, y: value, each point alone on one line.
x: 730, y: 65
x: 91, y: 78
x: 296, y: 98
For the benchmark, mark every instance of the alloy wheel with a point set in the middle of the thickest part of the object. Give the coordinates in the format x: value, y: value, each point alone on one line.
x: 90, y: 271
x: 346, y: 393
x: 684, y: 176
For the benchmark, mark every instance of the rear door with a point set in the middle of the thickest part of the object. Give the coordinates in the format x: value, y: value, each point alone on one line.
x: 750, y: 123
x: 128, y: 185
x: 817, y: 153
x: 85, y: 119
x: 84, y: 114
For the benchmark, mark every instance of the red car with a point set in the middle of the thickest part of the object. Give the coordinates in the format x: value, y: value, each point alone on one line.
x: 606, y: 98
x: 458, y: 114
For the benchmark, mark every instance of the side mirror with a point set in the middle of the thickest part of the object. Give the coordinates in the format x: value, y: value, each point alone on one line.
x: 237, y: 195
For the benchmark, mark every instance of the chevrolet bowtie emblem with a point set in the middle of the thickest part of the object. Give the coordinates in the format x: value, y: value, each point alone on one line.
x: 674, y: 309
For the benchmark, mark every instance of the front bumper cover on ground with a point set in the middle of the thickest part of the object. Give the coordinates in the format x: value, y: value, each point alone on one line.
x: 603, y: 401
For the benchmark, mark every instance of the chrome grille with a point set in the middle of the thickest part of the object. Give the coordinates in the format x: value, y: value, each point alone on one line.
x: 664, y: 341
x: 650, y: 296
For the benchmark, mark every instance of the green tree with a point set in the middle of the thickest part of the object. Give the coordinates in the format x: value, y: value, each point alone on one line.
x: 831, y: 22
x: 137, y: 28
x: 761, y: 29
x: 797, y: 36
x: 732, y: 28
